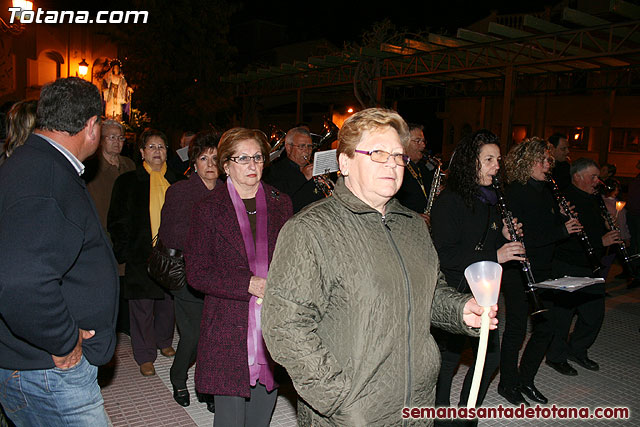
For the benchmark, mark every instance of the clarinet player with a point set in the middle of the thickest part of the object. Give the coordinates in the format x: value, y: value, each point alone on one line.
x: 418, y: 174
x: 530, y: 199
x: 467, y: 228
x: 571, y: 259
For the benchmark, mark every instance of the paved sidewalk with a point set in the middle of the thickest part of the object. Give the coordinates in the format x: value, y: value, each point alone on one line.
x: 133, y: 400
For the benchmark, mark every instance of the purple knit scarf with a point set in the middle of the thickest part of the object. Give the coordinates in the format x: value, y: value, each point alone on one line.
x: 258, y: 257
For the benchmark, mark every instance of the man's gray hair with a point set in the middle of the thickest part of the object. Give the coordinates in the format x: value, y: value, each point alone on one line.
x: 288, y: 139
x: 113, y: 123
x: 581, y: 164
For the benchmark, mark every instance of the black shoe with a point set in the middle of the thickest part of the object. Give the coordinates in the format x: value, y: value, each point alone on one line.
x: 563, y: 367
x: 512, y: 395
x: 181, y: 396
x: 211, y: 407
x: 533, y: 393
x: 585, y: 362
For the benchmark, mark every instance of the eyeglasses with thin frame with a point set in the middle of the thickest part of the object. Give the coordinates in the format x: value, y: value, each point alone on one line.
x: 381, y: 156
x: 303, y: 146
x: 244, y: 160
x: 160, y: 147
x: 419, y: 140
x: 114, y: 138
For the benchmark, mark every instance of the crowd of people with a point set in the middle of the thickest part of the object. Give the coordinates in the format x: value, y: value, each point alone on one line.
x: 358, y: 292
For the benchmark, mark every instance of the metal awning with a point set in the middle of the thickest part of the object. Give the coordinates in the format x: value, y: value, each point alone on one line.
x: 576, y: 42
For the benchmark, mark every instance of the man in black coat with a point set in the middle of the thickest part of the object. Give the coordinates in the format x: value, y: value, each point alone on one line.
x: 570, y: 259
x: 58, y: 275
x: 560, y: 153
x: 418, y: 174
x: 293, y: 174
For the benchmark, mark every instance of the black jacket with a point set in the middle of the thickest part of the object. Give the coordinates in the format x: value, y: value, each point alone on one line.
x: 130, y: 229
x: 562, y: 175
x: 57, y: 269
x: 410, y: 194
x: 457, y: 231
x: 571, y: 251
x: 285, y: 175
x: 543, y: 226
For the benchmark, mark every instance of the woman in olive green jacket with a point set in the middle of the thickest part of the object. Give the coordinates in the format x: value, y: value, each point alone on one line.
x: 354, y: 287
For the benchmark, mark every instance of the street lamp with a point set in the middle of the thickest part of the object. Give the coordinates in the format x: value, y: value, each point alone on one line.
x: 83, y: 68
x: 16, y: 27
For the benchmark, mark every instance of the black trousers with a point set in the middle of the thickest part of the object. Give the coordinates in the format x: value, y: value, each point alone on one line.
x: 451, y: 348
x: 515, y: 331
x: 235, y: 411
x: 123, y: 324
x: 188, y: 307
x: 588, y: 304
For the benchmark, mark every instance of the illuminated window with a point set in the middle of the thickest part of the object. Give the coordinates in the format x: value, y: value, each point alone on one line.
x: 577, y: 136
x: 625, y: 139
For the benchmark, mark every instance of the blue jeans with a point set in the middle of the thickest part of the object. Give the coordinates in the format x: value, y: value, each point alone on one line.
x: 53, y: 397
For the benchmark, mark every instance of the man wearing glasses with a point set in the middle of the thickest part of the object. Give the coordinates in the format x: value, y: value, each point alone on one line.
x: 418, y: 175
x: 293, y: 174
x: 106, y: 166
x: 102, y: 170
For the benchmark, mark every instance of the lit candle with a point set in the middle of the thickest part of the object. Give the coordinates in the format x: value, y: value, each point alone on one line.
x: 619, y: 207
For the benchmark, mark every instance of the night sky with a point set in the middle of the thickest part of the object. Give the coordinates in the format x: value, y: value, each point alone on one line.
x: 340, y: 21
x: 344, y: 20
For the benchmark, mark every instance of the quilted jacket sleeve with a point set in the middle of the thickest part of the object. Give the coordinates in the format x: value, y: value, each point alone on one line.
x: 447, y: 308
x: 291, y: 313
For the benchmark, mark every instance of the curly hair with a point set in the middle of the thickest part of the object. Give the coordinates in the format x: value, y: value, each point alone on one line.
x: 462, y: 177
x: 522, y: 157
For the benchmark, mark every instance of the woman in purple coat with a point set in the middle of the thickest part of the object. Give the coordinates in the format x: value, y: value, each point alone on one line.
x: 176, y: 221
x: 228, y: 251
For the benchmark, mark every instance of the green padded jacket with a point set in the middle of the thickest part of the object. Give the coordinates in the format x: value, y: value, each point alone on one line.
x: 350, y: 299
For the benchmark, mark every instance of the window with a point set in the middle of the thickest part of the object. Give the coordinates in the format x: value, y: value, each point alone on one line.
x: 577, y: 136
x: 625, y: 139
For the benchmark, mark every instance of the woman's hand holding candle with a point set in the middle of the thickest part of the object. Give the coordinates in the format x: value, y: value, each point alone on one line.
x: 472, y: 314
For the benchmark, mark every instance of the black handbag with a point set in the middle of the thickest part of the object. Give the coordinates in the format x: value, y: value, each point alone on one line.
x: 166, y: 266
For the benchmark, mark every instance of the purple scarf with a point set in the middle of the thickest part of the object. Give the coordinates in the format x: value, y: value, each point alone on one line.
x: 258, y: 256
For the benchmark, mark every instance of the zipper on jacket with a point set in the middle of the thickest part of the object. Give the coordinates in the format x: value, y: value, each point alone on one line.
x: 407, y: 402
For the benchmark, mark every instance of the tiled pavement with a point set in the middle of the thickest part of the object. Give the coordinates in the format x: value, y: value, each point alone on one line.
x: 133, y: 400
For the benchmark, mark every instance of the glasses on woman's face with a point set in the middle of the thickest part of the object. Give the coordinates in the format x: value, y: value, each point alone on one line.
x: 245, y: 160
x: 381, y: 156
x: 153, y: 147
x: 114, y: 138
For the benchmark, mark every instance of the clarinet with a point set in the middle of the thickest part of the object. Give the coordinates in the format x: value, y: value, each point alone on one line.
x: 435, y: 183
x: 562, y: 201
x: 622, y: 248
x: 507, y: 216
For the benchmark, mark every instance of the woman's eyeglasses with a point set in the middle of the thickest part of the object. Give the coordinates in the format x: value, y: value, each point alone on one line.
x: 244, y: 160
x: 114, y: 138
x: 380, y: 156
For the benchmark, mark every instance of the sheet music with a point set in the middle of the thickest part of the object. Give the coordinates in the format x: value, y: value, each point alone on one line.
x: 325, y: 162
x: 183, y: 153
x: 569, y: 283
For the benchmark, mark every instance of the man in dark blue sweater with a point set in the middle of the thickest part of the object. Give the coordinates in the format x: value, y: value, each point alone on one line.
x: 58, y: 275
